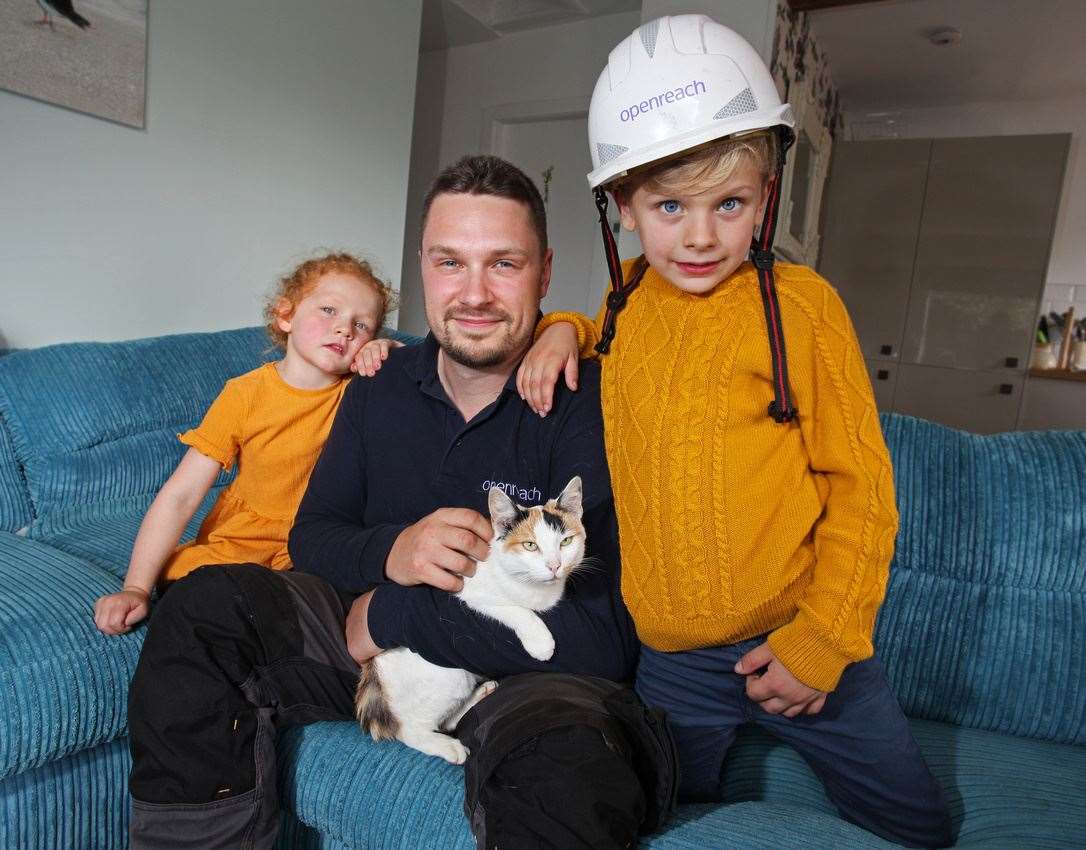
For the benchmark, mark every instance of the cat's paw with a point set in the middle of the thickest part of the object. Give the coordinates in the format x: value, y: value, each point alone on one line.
x: 453, y: 752
x: 539, y: 645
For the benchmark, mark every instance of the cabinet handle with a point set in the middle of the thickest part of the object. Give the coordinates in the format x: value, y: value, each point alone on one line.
x: 886, y: 350
x: 1011, y: 362
x: 882, y: 374
x: 1006, y: 389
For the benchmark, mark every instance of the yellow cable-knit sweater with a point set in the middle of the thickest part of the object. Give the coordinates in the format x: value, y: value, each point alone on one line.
x: 730, y: 524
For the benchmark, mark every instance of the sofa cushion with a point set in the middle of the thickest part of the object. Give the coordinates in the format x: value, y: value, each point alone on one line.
x: 103, y: 533
x: 63, y: 684
x: 984, y: 622
x: 364, y: 794
x: 15, y: 510
x: 73, y: 802
x: 1003, y: 791
x: 97, y: 422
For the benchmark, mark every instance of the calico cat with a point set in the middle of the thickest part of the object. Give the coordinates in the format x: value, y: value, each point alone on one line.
x: 401, y: 695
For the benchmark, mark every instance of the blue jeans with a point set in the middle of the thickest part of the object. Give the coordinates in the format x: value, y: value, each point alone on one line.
x: 859, y: 745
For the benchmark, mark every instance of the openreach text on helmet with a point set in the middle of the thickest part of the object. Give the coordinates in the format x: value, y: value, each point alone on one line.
x: 681, y: 92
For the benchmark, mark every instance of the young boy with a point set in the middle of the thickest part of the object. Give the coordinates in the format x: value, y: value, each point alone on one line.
x: 756, y: 526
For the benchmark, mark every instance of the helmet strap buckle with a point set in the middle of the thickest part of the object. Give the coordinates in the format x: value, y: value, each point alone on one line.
x: 762, y: 260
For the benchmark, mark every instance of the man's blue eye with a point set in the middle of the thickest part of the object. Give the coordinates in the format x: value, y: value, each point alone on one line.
x: 670, y: 207
x: 730, y: 205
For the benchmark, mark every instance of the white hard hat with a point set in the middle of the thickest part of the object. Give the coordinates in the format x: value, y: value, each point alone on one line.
x: 675, y: 83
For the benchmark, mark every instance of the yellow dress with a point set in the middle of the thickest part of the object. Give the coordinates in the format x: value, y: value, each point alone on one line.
x: 274, y: 433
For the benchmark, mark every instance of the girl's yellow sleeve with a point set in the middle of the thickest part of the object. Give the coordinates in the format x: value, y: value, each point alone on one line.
x: 219, y: 435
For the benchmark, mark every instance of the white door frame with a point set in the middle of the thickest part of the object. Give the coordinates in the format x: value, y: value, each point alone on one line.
x: 495, y: 118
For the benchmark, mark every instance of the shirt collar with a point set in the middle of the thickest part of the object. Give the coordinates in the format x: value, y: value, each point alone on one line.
x: 424, y: 370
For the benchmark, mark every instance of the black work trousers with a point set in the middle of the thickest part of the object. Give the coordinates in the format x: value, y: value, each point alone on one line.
x: 232, y: 653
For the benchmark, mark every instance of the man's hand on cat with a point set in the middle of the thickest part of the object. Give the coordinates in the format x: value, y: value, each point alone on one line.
x: 440, y: 549
x: 359, y: 643
x: 554, y: 353
x: 775, y: 688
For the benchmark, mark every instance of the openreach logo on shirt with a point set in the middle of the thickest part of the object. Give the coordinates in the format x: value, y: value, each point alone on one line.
x: 520, y: 494
x: 694, y: 87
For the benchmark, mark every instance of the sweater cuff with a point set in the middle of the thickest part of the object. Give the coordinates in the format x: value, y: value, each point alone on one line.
x: 585, y: 328
x: 384, y: 618
x: 808, y: 655
x: 375, y: 553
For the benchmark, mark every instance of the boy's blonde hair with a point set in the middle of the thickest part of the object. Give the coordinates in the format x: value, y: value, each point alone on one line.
x: 705, y: 165
x: 292, y: 288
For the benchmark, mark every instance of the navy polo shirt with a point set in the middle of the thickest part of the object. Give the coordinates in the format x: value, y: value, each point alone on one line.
x: 400, y: 450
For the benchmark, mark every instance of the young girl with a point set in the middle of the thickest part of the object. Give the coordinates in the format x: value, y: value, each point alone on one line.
x: 272, y: 422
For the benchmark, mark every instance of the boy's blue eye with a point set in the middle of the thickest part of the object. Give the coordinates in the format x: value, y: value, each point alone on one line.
x: 327, y: 310
x: 360, y: 325
x: 730, y: 205
x: 670, y: 207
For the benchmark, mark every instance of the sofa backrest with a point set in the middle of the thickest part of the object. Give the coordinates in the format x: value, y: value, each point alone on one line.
x: 984, y: 623
x: 96, y: 422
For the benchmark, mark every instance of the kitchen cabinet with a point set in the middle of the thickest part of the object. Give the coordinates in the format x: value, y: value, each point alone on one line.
x: 939, y: 248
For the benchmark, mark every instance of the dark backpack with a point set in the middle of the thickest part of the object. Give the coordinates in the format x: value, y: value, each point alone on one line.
x: 567, y: 762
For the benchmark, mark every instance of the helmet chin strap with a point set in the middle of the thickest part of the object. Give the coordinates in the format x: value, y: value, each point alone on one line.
x: 761, y: 255
x: 781, y: 409
x: 620, y: 290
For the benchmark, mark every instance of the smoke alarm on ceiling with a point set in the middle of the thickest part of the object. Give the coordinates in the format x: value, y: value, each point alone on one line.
x: 944, y: 36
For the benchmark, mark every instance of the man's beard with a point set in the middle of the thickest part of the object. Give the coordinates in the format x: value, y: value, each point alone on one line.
x: 481, y: 354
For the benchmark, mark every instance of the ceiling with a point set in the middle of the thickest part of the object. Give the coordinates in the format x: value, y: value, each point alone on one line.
x: 1010, y: 50
x: 879, y: 54
x: 451, y: 23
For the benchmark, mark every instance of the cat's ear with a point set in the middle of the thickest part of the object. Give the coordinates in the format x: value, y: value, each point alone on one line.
x: 570, y: 498
x: 502, y: 510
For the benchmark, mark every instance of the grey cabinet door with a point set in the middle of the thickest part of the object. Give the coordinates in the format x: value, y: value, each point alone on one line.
x: 883, y: 375
x: 981, y: 402
x: 989, y: 210
x: 1052, y: 403
x: 871, y: 223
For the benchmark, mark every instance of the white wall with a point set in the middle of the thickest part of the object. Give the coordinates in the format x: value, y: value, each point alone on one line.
x: 1066, y: 279
x: 425, y: 165
x: 273, y: 128
x: 551, y: 63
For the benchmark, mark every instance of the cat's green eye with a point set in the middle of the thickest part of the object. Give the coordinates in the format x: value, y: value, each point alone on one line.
x: 529, y: 545
x: 566, y: 541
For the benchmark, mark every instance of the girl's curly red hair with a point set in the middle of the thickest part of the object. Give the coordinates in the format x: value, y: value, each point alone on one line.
x: 299, y: 283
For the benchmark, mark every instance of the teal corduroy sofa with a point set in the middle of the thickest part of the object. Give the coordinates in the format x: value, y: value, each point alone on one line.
x: 983, y: 631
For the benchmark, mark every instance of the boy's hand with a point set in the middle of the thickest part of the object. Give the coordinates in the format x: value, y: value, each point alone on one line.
x: 775, y: 688
x: 554, y: 353
x: 370, y: 356
x: 119, y: 612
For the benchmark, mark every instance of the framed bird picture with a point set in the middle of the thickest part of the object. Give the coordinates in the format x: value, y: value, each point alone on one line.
x: 87, y: 55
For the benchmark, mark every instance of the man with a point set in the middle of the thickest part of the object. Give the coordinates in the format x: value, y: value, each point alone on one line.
x: 394, y: 512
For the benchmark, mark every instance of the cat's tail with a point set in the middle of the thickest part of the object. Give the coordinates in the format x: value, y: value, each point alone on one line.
x: 372, y: 708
